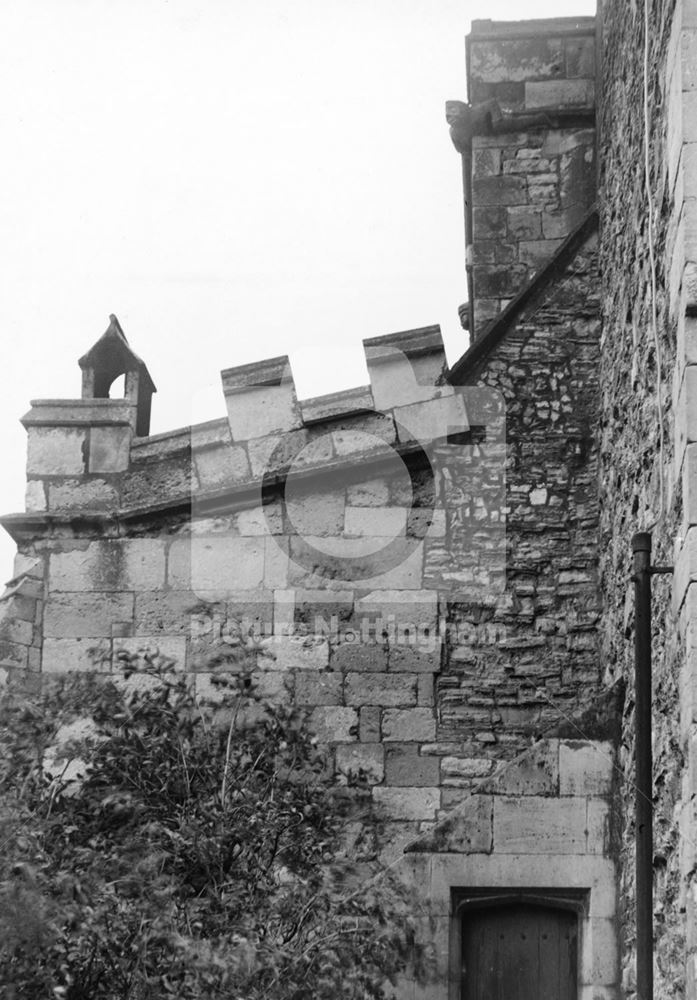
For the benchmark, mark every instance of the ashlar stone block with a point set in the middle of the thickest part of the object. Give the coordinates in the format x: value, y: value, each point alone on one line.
x: 80, y: 615
x: 380, y: 522
x: 407, y: 803
x: 534, y: 825
x: 408, y: 725
x: 131, y: 564
x: 217, y: 564
x: 404, y: 766
x: 365, y: 758
x: 297, y: 652
x: 56, y: 451
x: 380, y: 689
x: 585, y: 768
x: 314, y: 687
x: 63, y: 655
x: 109, y: 448
x: 334, y: 724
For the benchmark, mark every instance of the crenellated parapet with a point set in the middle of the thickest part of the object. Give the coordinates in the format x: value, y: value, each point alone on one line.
x: 87, y: 455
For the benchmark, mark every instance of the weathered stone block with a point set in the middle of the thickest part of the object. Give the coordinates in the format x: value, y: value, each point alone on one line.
x: 333, y: 724
x: 83, y: 494
x: 685, y: 569
x: 56, y: 451
x: 366, y: 434
x: 369, y: 730
x: 139, y: 652
x: 256, y: 411
x: 276, y: 562
x: 157, y: 482
x: 298, y: 652
x: 169, y: 612
x: 579, y: 57
x: 221, y: 466
x: 433, y: 419
x: 407, y: 725
x: 86, y: 614
x: 457, y: 769
x: 490, y: 223
x: 585, y: 768
x: 393, y: 836
x: 378, y: 522
x: 503, y: 60
x: 109, y: 449
x: 535, y: 772
x: 501, y: 190
x: 61, y: 656
x: 216, y: 564
x: 212, y: 687
x: 368, y: 758
x: 486, y: 162
x: 35, y: 496
x: 406, y: 803
x: 528, y: 161
x: 261, y: 520
x: 524, y: 223
x: 560, y: 93
x: 371, y: 493
x: 467, y: 830
x: 498, y: 281
x: 13, y: 655
x: 17, y: 631
x: 318, y: 688
x: 339, y: 563
x: 689, y: 116
x: 605, y: 962
x: 279, y: 451
x: 598, y: 826
x: 415, y: 660
x: 425, y: 693
x: 537, y: 253
x: 380, y: 689
x: 413, y: 613
x: 132, y: 564
x: 534, y: 825
x: 315, y: 513
x: 28, y: 566
x: 360, y: 656
x: 404, y: 766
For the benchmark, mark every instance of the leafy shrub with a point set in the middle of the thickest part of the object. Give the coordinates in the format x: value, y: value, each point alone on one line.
x: 156, y: 847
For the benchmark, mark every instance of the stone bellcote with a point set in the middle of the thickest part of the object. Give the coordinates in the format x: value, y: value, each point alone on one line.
x: 106, y: 361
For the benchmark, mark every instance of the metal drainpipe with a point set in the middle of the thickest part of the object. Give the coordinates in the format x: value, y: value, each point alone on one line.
x: 641, y: 548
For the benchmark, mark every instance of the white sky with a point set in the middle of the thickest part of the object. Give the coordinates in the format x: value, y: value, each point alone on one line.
x: 235, y: 179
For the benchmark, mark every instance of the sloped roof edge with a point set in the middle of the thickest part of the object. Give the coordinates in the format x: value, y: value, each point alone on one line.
x: 545, y: 277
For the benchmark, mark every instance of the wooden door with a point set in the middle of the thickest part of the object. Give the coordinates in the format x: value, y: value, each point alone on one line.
x: 519, y: 952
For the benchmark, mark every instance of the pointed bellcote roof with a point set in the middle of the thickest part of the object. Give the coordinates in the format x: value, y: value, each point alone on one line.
x: 106, y: 361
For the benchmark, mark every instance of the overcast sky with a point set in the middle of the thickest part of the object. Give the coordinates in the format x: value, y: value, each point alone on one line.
x: 235, y: 179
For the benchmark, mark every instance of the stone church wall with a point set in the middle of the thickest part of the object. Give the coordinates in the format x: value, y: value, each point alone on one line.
x: 415, y: 562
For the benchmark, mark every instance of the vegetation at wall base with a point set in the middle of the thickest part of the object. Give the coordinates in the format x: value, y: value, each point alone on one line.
x: 155, y: 845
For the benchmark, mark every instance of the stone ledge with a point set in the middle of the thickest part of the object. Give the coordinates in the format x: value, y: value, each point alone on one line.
x: 79, y: 412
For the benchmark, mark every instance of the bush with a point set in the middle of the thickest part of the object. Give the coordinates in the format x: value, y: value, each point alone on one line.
x: 154, y: 847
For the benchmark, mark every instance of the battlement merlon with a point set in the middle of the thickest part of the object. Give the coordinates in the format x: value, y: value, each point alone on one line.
x: 86, y: 458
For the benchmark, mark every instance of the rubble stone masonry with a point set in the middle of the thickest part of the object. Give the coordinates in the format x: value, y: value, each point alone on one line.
x: 646, y: 433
